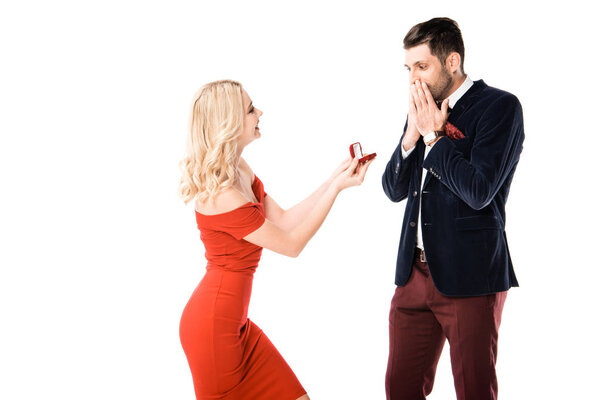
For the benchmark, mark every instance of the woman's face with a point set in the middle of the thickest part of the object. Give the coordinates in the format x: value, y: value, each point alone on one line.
x: 250, y: 129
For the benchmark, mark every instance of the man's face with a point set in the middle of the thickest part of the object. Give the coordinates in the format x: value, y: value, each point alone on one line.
x: 425, y: 67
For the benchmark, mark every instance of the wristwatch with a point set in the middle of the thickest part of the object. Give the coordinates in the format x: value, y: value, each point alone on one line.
x: 431, y: 136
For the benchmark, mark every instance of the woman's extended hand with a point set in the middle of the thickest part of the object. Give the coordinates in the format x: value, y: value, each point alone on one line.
x: 341, y: 168
x: 351, y: 174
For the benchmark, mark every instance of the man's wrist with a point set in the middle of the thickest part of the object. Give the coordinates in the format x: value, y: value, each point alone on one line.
x: 437, y: 139
x: 431, y: 137
x: 408, y: 145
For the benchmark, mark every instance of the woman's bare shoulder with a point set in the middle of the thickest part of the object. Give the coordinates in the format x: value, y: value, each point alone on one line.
x: 226, y: 201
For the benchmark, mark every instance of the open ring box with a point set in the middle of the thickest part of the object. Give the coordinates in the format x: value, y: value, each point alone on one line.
x: 356, y: 151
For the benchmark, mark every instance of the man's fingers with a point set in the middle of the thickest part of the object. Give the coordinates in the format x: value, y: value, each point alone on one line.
x: 427, y: 93
x: 415, y: 97
x: 445, y: 105
x: 411, y: 103
x: 421, y: 93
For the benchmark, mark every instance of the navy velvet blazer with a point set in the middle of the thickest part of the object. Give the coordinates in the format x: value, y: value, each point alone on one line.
x: 463, y: 197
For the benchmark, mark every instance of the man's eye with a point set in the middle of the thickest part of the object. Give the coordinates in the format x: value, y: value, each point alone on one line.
x: 422, y: 67
x: 251, y: 110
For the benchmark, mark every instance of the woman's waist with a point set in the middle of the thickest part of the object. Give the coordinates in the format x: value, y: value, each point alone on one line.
x: 228, y: 259
x: 242, y: 267
x: 227, y: 277
x: 226, y: 286
x: 222, y: 295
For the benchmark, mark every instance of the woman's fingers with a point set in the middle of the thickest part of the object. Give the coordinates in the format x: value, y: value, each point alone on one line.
x: 350, y: 170
x: 359, y: 174
x: 362, y: 171
x: 354, y: 175
x: 342, y: 167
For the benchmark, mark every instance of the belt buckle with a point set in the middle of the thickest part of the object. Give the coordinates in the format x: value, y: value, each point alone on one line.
x: 422, y: 256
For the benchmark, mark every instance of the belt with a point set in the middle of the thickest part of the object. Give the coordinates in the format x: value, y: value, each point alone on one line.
x: 420, y: 254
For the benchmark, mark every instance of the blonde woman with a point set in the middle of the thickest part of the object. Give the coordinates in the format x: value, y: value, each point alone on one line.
x: 229, y: 356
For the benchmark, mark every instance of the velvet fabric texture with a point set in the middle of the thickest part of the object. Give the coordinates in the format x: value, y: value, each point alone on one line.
x: 463, y: 196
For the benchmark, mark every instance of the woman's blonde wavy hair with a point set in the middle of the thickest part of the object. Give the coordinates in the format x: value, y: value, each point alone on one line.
x: 216, y: 121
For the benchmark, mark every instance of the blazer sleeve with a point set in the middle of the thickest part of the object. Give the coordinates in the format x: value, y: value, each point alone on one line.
x: 396, y: 177
x: 496, y: 149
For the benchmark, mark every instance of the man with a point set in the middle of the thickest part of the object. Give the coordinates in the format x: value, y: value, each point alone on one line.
x: 453, y: 269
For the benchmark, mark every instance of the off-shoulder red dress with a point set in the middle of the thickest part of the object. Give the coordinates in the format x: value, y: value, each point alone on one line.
x: 229, y: 356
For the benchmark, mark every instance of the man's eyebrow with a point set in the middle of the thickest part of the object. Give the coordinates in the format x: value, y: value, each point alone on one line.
x: 415, y: 63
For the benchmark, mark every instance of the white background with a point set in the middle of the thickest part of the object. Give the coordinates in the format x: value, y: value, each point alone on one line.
x: 99, y: 256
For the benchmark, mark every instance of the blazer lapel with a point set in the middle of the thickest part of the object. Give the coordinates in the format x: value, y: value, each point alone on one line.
x: 466, y: 101
x: 461, y: 106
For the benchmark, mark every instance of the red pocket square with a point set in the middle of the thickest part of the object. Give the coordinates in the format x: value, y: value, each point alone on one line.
x: 453, y: 132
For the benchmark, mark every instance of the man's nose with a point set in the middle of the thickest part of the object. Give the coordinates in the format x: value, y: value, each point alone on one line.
x: 413, y: 76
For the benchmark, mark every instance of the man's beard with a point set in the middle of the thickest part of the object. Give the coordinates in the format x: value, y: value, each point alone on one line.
x: 439, y: 89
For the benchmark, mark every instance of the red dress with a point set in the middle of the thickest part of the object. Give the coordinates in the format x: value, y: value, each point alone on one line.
x: 230, y: 357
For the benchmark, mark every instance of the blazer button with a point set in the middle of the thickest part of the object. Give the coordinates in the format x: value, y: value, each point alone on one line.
x: 415, y: 193
x: 412, y: 224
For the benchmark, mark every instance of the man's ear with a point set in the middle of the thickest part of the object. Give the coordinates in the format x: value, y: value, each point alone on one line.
x: 453, y: 62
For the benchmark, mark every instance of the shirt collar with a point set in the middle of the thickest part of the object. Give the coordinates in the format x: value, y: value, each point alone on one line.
x: 458, y: 93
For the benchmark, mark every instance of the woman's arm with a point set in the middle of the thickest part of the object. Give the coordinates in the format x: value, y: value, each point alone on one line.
x: 290, y: 218
x: 291, y: 242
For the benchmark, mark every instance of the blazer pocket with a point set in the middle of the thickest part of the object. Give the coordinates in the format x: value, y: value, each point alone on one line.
x: 476, y: 222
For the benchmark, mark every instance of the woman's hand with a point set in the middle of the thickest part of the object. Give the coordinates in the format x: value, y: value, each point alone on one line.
x: 341, y: 168
x: 351, y: 173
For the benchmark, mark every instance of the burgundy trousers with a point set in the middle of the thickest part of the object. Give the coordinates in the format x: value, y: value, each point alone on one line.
x: 421, y: 319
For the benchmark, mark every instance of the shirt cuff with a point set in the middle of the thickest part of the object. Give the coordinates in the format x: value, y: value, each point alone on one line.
x: 406, y: 153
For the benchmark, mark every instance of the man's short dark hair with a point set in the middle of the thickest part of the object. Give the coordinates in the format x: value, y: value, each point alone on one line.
x: 443, y: 36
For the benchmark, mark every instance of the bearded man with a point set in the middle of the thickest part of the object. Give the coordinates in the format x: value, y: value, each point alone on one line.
x: 454, y: 163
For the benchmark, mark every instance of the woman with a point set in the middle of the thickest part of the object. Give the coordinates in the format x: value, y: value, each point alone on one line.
x: 230, y: 357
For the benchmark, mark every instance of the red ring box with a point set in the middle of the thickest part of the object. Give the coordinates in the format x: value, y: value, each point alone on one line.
x: 356, y: 151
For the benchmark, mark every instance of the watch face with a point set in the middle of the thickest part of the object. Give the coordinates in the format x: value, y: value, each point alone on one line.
x: 429, y: 137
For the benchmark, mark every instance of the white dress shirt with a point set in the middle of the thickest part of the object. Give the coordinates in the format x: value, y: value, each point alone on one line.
x: 452, y: 99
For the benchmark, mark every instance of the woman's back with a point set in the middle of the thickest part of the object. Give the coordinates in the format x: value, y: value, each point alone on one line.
x: 222, y: 233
